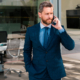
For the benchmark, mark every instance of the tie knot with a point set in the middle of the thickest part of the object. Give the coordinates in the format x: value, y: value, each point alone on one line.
x: 46, y: 28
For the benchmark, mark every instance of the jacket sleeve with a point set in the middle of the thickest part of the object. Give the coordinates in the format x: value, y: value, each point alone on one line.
x: 27, y: 50
x: 67, y: 41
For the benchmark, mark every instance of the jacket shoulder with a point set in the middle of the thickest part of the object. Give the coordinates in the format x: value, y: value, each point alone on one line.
x: 32, y: 27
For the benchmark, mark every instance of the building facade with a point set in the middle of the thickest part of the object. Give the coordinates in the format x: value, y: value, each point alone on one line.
x: 17, y: 15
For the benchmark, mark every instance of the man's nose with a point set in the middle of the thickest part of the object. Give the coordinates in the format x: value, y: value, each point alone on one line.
x: 50, y: 16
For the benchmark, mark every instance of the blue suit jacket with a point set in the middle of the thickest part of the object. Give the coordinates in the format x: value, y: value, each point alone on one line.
x: 49, y: 58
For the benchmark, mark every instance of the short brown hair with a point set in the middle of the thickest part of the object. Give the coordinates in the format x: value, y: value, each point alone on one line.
x: 44, y: 4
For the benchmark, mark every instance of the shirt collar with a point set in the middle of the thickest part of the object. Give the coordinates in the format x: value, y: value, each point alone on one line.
x: 42, y: 26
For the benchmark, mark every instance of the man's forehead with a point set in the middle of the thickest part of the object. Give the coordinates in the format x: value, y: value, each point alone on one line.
x: 47, y: 8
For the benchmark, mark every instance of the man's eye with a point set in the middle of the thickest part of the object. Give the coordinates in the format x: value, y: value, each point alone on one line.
x: 46, y: 13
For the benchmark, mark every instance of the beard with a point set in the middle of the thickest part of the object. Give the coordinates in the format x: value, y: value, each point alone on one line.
x: 48, y: 21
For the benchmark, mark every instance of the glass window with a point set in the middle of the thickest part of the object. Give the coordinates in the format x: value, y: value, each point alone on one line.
x: 17, y: 15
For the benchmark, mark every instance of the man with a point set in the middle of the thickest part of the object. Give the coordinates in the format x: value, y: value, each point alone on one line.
x: 45, y: 38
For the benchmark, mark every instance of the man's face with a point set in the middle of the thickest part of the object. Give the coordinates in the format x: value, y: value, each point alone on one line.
x: 46, y: 15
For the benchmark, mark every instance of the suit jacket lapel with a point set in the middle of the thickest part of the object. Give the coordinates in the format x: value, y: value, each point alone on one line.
x: 37, y: 36
x: 51, y: 36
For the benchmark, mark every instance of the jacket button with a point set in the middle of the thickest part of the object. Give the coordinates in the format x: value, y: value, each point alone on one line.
x: 46, y: 52
x: 46, y: 60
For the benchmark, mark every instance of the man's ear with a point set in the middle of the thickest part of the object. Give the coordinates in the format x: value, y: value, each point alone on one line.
x: 39, y: 14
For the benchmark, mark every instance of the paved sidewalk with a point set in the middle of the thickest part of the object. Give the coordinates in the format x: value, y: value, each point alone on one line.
x: 71, y: 58
x: 72, y: 68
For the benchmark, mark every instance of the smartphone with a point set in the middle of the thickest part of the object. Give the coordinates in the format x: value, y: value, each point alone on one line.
x: 54, y: 23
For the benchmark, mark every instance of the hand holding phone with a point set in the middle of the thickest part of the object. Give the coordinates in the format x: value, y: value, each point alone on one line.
x: 54, y: 23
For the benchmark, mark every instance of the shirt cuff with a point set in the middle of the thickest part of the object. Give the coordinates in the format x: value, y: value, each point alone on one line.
x: 61, y: 30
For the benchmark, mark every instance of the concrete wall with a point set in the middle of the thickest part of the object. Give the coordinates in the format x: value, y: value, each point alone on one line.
x: 67, y: 5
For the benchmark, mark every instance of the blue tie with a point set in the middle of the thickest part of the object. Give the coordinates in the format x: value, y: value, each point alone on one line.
x: 45, y: 37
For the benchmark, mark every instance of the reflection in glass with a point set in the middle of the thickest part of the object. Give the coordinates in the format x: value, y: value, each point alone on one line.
x: 21, y: 16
